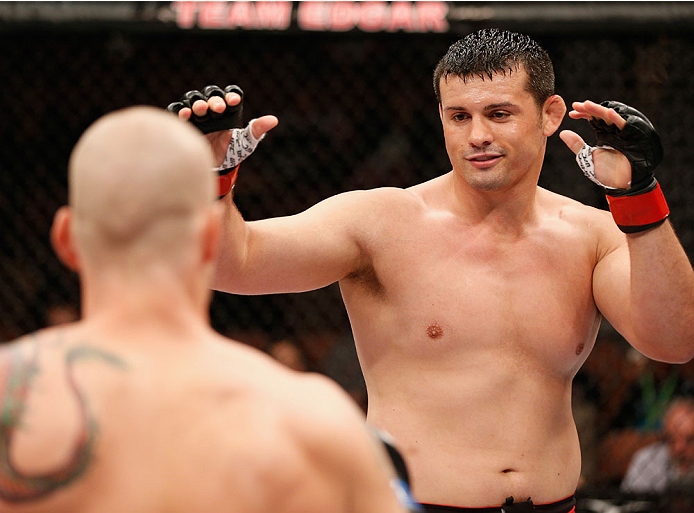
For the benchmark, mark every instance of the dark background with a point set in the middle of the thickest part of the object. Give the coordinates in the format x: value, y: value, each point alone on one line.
x: 356, y: 110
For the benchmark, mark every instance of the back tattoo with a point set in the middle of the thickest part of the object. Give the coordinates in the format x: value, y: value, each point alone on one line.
x: 17, y: 374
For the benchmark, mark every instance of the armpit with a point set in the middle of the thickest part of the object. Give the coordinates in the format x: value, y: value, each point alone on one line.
x: 367, y: 278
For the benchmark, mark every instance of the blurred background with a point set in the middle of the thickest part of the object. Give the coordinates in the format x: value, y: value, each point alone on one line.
x: 351, y: 84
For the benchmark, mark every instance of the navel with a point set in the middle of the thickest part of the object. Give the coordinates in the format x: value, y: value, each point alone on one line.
x: 579, y: 348
x: 435, y: 331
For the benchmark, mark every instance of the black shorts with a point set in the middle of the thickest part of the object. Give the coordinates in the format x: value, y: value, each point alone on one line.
x: 567, y: 505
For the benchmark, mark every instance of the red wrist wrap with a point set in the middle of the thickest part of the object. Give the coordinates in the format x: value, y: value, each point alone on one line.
x: 641, y: 212
x: 227, y: 179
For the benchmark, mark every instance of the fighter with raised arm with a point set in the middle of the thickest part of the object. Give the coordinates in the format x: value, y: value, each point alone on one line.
x: 475, y: 297
x: 141, y: 406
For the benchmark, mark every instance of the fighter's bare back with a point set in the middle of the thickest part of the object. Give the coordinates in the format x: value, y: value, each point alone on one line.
x: 190, y: 424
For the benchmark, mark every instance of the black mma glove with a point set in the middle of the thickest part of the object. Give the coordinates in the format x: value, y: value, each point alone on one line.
x: 642, y: 205
x: 211, y: 121
x: 242, y: 142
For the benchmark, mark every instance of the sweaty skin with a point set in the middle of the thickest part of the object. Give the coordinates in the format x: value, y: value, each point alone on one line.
x: 141, y: 406
x: 475, y: 297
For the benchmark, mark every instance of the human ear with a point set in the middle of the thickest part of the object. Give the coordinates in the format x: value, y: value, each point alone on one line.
x: 553, y: 112
x: 62, y: 240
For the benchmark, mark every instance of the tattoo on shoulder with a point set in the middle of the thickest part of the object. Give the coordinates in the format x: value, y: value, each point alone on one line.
x: 18, y: 369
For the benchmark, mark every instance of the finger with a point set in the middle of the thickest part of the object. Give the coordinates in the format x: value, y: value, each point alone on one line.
x: 616, y: 119
x: 232, y: 99
x: 216, y: 104
x: 572, y: 140
x: 610, y: 116
x: 588, y: 109
x: 200, y: 107
x: 185, y: 113
x: 574, y: 114
x: 263, y: 125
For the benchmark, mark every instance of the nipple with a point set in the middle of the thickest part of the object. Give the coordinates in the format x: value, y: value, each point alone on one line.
x: 435, y: 331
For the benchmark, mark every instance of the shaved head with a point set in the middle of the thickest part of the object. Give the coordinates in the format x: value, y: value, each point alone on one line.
x: 139, y: 179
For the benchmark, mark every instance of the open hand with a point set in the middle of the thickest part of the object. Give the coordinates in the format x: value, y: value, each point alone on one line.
x: 220, y: 140
x: 611, y: 167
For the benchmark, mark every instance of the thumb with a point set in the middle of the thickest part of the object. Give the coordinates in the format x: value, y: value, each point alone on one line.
x: 263, y: 125
x: 572, y: 140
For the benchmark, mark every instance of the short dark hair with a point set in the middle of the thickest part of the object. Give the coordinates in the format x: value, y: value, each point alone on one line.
x: 490, y: 51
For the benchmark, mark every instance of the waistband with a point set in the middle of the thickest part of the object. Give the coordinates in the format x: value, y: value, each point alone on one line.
x: 567, y: 505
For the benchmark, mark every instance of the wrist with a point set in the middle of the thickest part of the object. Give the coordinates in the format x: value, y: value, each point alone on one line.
x: 227, y: 180
x: 640, y: 210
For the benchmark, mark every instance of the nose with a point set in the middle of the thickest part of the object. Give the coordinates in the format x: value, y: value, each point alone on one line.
x: 480, y: 133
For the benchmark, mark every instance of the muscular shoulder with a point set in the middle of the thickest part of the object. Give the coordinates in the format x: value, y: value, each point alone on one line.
x: 319, y: 437
x: 593, y: 224
x: 24, y: 346
x: 9, y: 353
x: 569, y: 209
x: 329, y: 425
x: 315, y: 410
x: 324, y: 402
x: 308, y: 411
x: 294, y: 396
x: 374, y: 204
x: 7, y: 350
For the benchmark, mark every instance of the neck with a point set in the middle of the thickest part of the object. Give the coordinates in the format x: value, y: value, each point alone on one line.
x: 508, y: 210
x: 156, y: 299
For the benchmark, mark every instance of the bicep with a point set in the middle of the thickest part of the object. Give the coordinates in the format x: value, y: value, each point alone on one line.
x: 612, y: 285
x: 302, y: 252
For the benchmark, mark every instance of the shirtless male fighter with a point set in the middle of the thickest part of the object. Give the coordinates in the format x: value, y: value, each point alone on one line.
x: 475, y: 297
x: 141, y: 406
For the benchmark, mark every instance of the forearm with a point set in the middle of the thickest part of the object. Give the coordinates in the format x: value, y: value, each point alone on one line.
x: 233, y: 248
x: 662, y: 294
x: 646, y: 286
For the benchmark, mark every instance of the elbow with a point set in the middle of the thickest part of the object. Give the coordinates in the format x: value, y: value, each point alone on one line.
x: 680, y: 358
x: 670, y: 350
x: 672, y: 353
x: 686, y: 355
x: 668, y: 342
x: 684, y: 344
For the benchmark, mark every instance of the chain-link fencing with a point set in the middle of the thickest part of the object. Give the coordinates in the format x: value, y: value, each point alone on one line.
x: 356, y: 111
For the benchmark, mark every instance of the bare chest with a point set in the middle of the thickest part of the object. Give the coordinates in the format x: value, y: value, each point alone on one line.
x: 451, y: 293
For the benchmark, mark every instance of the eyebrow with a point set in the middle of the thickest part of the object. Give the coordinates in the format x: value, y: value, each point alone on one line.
x: 487, y: 108
x: 499, y: 105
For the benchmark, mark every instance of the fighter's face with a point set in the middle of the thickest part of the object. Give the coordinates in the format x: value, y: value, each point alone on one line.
x: 493, y: 129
